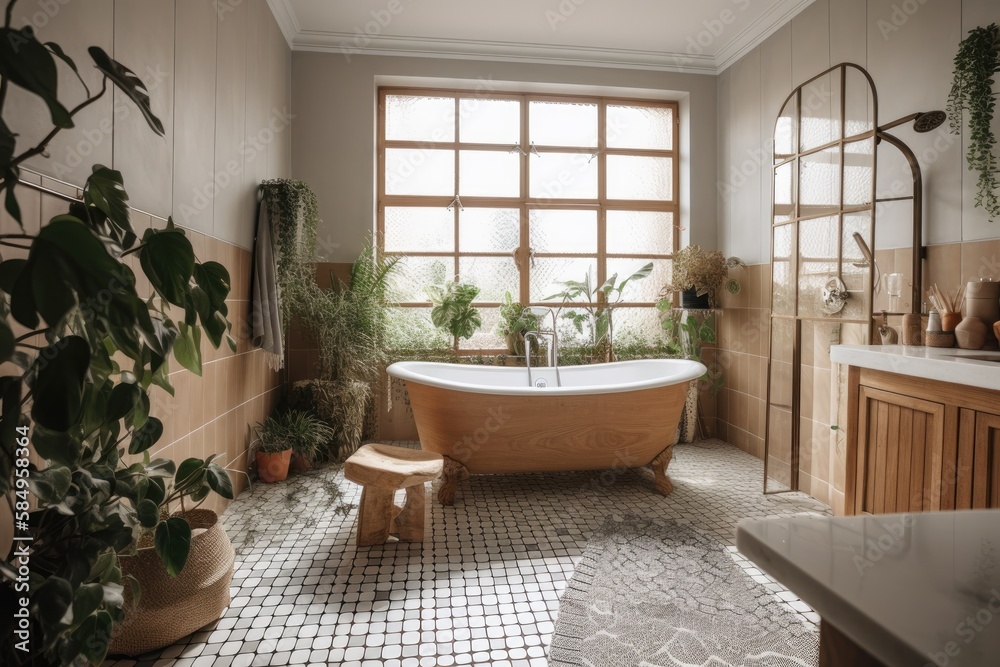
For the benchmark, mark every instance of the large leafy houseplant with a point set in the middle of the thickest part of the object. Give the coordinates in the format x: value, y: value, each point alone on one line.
x: 453, y: 310
x: 976, y: 64
x: 597, y: 305
x: 515, y: 321
x: 85, y: 352
x: 347, y: 323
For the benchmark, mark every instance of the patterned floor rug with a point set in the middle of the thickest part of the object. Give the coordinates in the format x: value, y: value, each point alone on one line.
x: 649, y: 593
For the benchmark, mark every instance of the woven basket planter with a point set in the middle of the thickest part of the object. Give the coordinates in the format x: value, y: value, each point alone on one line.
x: 173, y: 607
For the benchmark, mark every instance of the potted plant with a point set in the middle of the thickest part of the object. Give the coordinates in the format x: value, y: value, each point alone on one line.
x: 687, y: 333
x: 348, y: 322
x: 975, y: 65
x: 598, y: 306
x: 277, y: 437
x: 515, y: 321
x: 309, y: 436
x: 697, y: 275
x: 453, y: 311
x: 75, y: 397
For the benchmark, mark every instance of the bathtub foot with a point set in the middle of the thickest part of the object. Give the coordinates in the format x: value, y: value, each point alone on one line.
x: 454, y: 473
x: 659, y: 465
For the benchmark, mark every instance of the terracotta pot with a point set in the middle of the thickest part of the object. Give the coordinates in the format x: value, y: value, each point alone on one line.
x: 273, y: 467
x: 971, y: 333
x: 950, y: 320
x: 301, y: 462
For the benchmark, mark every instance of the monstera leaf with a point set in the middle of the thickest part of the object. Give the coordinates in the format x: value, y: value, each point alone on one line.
x: 127, y: 82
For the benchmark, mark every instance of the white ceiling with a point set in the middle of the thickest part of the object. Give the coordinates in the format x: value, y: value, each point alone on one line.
x: 703, y: 36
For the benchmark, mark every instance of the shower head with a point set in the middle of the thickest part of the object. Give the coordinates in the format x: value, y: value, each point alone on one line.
x: 923, y: 121
x: 865, y: 250
x: 929, y: 120
x: 870, y: 259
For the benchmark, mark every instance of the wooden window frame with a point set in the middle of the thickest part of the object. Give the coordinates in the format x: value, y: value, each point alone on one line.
x: 524, y: 203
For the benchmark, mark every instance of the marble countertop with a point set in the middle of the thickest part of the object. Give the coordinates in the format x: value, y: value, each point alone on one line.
x: 974, y: 368
x: 911, y: 589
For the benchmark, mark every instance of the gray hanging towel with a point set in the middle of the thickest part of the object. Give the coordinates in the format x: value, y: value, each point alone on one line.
x: 265, y: 304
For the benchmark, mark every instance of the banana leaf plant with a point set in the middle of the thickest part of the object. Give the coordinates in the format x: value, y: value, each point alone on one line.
x: 82, y: 352
x: 597, y: 305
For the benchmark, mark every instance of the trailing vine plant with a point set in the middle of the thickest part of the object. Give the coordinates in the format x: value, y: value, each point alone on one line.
x: 976, y: 63
x: 293, y: 211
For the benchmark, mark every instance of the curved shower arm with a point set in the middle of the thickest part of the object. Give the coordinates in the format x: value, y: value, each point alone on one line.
x: 918, y: 213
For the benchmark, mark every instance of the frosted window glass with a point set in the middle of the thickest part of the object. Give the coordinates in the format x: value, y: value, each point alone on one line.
x: 410, y: 118
x: 419, y: 229
x: 636, y: 325
x: 489, y: 174
x: 489, y: 229
x: 820, y: 111
x: 858, y: 163
x: 640, y: 127
x: 647, y: 289
x: 640, y: 232
x: 562, y: 124
x: 415, y: 274
x: 563, y: 176
x: 563, y: 231
x: 416, y: 171
x: 412, y: 328
x: 492, y: 275
x: 485, y: 121
x: 639, y: 177
x: 547, y: 272
x: 819, y: 180
x: 486, y: 337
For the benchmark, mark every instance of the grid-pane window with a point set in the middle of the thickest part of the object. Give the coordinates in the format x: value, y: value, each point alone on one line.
x: 515, y: 193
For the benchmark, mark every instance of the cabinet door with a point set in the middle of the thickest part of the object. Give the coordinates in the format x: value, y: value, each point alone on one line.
x: 900, y: 443
x: 985, y: 464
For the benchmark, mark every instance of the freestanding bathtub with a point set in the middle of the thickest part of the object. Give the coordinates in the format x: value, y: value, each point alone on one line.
x: 486, y: 419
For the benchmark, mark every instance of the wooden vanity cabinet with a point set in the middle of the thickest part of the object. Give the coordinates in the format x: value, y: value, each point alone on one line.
x: 919, y: 445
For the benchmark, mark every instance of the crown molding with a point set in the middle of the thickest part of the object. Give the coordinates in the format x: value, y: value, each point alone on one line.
x: 351, y: 44
x: 548, y: 54
x: 763, y: 27
x: 287, y: 23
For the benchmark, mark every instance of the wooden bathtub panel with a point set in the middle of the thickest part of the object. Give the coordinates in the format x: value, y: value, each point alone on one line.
x: 490, y: 434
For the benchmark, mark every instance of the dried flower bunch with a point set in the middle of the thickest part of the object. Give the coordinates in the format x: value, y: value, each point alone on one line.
x: 703, y: 270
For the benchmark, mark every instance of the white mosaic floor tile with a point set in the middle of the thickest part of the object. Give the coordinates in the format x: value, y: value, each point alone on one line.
x: 484, y: 586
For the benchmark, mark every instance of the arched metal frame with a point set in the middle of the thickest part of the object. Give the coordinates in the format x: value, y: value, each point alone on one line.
x: 877, y: 134
x: 792, y: 221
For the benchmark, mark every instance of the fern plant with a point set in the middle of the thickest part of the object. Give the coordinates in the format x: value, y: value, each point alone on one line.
x: 976, y: 63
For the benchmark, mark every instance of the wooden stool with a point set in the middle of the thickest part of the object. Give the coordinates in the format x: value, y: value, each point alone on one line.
x: 381, y: 470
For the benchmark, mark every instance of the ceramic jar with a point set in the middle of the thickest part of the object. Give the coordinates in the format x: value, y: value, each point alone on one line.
x: 982, y: 300
x: 971, y: 333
